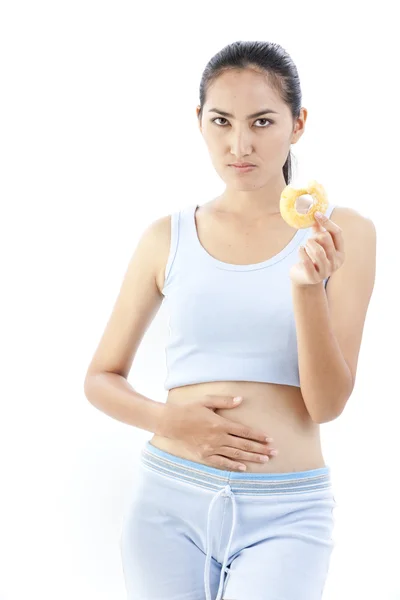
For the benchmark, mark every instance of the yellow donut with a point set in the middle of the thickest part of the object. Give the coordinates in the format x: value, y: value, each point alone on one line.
x: 288, y: 204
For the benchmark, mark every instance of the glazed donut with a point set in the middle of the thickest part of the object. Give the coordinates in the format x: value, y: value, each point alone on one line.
x: 288, y: 204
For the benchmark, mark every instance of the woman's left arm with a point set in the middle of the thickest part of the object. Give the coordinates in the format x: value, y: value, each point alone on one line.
x: 330, y: 323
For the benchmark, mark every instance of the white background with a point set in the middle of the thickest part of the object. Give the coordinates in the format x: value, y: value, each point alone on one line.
x: 97, y: 102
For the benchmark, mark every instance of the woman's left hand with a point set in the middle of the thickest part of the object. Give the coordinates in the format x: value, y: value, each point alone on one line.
x: 322, y: 255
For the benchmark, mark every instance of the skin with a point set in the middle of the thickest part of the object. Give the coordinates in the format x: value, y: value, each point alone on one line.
x: 244, y: 226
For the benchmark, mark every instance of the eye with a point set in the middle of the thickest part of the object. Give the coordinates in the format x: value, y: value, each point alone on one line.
x: 223, y: 118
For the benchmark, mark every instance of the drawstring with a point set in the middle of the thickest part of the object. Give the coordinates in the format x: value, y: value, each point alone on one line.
x: 226, y: 491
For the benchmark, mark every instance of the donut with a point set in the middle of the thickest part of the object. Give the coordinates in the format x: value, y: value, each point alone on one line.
x: 288, y: 199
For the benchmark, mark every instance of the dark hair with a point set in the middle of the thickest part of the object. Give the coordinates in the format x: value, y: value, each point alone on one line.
x: 267, y: 57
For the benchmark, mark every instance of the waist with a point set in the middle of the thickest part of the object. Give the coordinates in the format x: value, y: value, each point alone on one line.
x: 278, y: 410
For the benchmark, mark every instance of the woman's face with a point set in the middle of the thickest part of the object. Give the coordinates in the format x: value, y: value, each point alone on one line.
x: 263, y: 140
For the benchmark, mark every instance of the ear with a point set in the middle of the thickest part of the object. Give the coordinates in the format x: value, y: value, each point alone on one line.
x: 299, y: 125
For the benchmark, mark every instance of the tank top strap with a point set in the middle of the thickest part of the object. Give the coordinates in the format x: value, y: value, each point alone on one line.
x: 188, y: 227
x: 188, y: 241
x: 329, y: 210
x: 184, y: 249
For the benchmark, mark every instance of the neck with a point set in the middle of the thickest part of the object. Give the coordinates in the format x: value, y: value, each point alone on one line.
x: 262, y: 202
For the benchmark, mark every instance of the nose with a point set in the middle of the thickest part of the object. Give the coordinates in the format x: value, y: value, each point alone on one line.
x: 241, y: 144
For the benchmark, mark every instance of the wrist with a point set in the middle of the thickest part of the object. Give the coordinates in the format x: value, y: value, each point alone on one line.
x: 166, y: 419
x: 307, y: 286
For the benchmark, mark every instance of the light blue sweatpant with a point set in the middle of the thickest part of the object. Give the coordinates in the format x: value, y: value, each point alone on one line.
x: 194, y: 532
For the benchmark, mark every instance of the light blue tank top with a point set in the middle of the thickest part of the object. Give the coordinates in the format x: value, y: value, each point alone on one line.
x: 228, y: 322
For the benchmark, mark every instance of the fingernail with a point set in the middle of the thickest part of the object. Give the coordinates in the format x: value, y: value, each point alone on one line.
x: 320, y: 215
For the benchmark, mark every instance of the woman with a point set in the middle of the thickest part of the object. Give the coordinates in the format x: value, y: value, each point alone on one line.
x: 257, y: 310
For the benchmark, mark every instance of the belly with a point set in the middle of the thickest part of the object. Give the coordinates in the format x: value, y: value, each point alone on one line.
x: 277, y: 410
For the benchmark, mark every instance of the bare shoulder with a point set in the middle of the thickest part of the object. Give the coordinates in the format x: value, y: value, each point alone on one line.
x: 354, y: 224
x: 342, y: 215
x: 358, y: 232
x: 153, y: 248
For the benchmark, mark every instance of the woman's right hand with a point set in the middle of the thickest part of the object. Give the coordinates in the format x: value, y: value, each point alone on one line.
x: 213, y: 437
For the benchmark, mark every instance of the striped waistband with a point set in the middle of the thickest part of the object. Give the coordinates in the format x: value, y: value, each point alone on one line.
x: 212, y: 478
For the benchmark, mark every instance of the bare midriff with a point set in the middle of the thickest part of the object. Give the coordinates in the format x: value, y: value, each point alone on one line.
x: 277, y: 410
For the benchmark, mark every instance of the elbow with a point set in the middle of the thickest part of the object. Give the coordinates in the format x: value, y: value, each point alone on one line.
x: 90, y: 378
x: 326, y: 418
x: 329, y: 411
x: 86, y: 387
x: 94, y: 380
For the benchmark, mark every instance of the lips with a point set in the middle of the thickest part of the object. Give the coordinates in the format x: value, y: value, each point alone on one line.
x: 242, y: 165
x: 243, y: 169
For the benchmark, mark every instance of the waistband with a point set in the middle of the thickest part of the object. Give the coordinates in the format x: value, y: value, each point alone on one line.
x: 229, y: 484
x: 212, y: 478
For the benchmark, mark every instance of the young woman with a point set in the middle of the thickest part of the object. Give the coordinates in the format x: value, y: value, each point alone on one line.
x: 257, y: 310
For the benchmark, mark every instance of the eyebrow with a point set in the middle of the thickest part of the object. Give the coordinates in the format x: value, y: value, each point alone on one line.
x: 257, y: 114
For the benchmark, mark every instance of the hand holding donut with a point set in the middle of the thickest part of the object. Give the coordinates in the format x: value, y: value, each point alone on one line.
x: 323, y: 253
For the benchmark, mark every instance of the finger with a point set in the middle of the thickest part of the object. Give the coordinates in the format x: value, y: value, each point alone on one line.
x: 317, y: 253
x: 246, y: 445
x: 224, y: 463
x: 334, y: 230
x: 245, y: 432
x: 317, y: 226
x: 326, y: 241
x: 307, y: 261
x: 312, y: 256
x: 234, y: 452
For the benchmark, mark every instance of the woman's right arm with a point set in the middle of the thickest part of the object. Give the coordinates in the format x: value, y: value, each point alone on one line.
x: 139, y: 299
